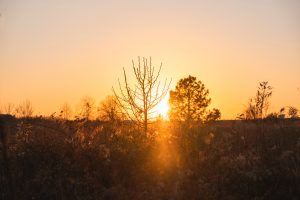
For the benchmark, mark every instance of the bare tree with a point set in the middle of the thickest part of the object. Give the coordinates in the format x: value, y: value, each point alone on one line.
x: 25, y: 109
x: 87, y: 107
x: 138, y: 101
x: 250, y: 112
x: 9, y: 109
x: 66, y: 111
x: 257, y: 107
x: 109, y: 109
x: 263, y: 94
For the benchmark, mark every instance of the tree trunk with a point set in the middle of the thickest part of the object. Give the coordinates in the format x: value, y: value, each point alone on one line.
x: 145, y: 121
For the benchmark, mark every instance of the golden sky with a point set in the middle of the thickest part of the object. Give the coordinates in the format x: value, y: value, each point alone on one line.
x: 58, y: 51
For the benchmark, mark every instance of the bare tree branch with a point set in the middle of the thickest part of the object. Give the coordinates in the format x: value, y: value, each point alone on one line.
x: 137, y: 102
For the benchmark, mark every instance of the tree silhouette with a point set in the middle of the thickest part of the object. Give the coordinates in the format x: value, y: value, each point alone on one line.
x: 109, y: 110
x: 189, y: 101
x: 258, y: 106
x: 87, y: 108
x: 264, y: 92
x: 138, y: 101
x: 25, y: 109
x: 293, y: 112
x: 213, y: 115
x: 65, y: 111
x: 9, y: 109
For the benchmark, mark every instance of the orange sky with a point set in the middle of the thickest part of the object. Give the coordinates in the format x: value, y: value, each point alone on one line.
x: 53, y: 52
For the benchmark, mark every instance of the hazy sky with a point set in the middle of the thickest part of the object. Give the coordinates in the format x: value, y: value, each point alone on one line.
x: 58, y: 51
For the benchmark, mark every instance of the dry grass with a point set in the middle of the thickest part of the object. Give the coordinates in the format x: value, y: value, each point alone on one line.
x: 57, y: 159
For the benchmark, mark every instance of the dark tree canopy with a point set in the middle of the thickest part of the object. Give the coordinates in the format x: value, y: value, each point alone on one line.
x: 190, y: 100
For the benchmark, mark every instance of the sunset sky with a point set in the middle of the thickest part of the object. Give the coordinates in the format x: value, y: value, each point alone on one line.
x: 58, y: 51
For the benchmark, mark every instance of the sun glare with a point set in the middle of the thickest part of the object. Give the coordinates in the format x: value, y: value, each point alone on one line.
x: 162, y: 109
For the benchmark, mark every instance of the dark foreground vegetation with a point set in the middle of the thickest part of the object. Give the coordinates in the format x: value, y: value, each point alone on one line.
x: 58, y: 159
x: 125, y: 153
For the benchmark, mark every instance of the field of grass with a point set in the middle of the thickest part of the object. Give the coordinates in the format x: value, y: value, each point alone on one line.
x: 43, y: 158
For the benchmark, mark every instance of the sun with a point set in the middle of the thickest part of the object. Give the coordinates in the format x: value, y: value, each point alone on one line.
x: 162, y: 108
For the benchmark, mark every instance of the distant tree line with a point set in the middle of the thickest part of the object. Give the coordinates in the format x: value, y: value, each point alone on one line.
x: 136, y: 99
x: 24, y: 109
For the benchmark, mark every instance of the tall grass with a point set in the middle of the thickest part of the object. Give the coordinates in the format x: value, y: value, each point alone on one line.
x: 59, y: 159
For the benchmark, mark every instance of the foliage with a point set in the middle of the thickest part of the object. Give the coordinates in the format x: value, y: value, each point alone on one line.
x: 189, y: 101
x: 293, y: 112
x: 58, y: 159
x: 81, y: 159
x: 213, y: 115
